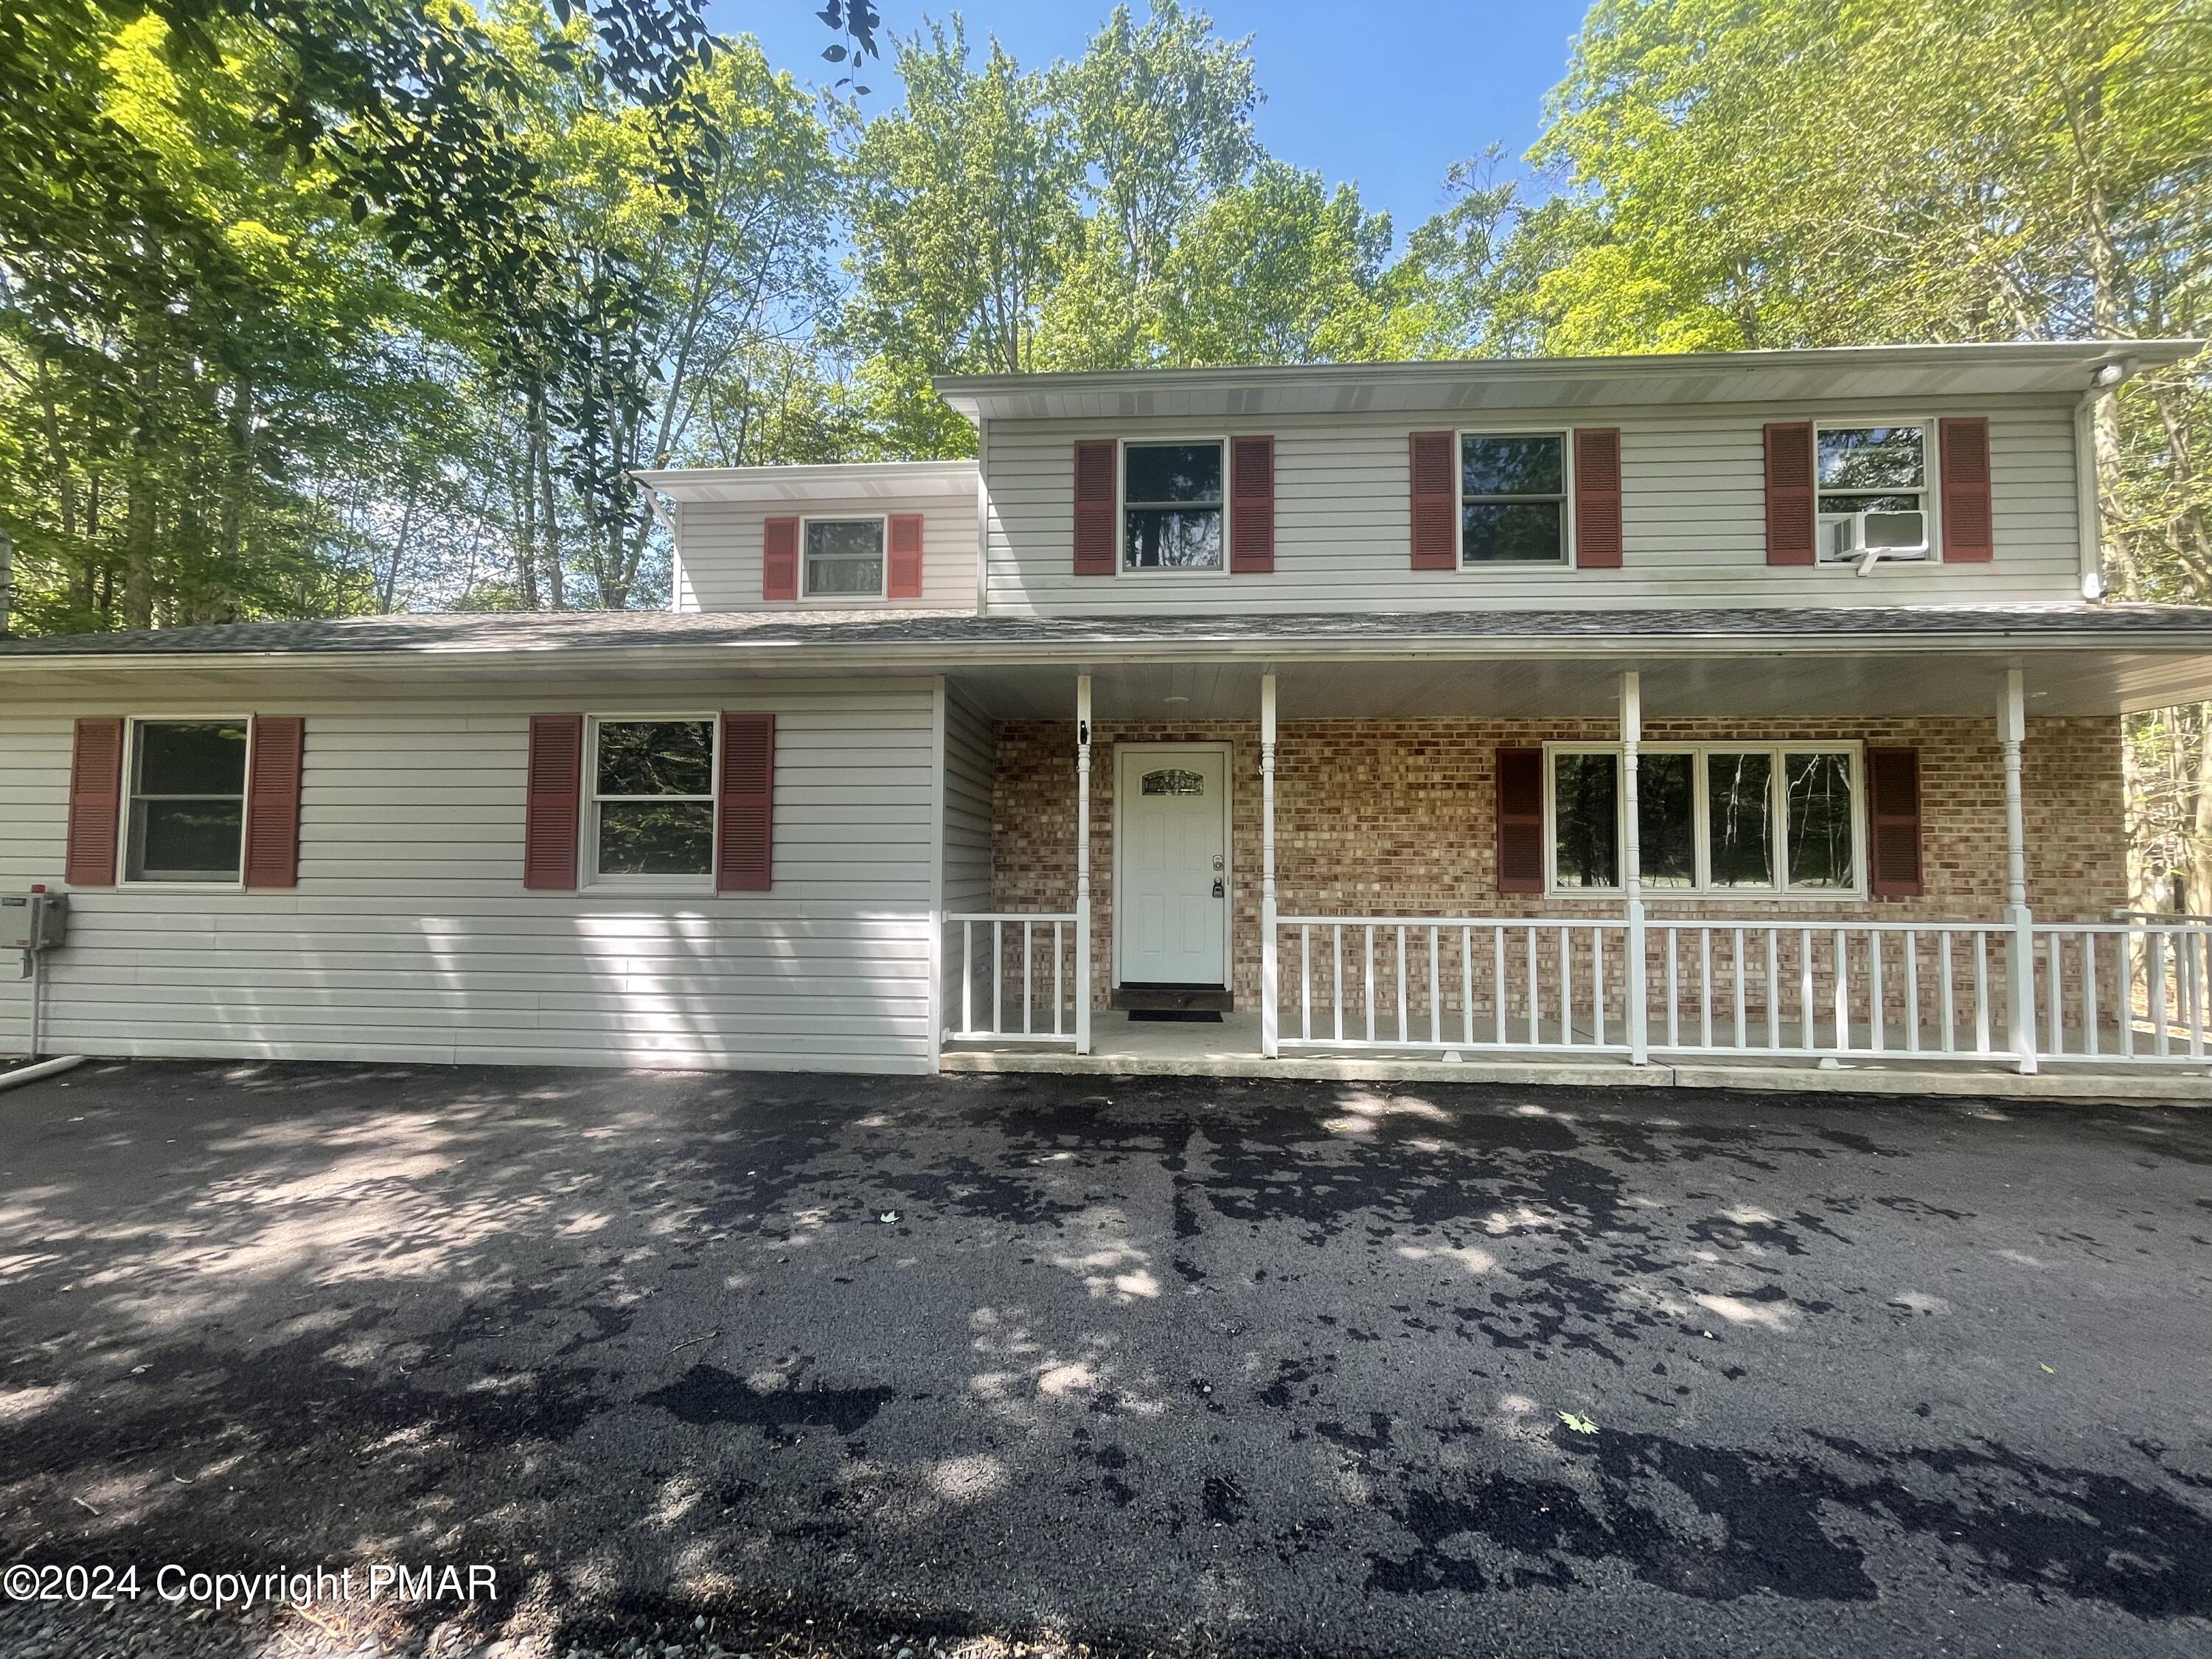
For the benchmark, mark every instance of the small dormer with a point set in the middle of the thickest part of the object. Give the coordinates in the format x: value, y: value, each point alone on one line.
x: 867, y: 537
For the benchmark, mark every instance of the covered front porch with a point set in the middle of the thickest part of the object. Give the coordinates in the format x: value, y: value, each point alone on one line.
x: 1380, y: 917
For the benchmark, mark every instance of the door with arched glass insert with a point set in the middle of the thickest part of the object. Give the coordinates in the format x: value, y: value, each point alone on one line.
x: 1171, y: 861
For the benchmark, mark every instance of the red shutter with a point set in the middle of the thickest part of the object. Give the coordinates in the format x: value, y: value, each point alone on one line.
x: 1094, y: 508
x: 1789, y: 494
x: 553, y: 805
x: 272, y: 801
x: 779, y: 559
x: 1597, y: 498
x: 1520, y: 820
x: 95, y: 803
x: 1969, y: 530
x: 1436, y: 502
x: 1252, y: 505
x: 746, y: 827
x: 1893, y: 788
x: 905, y: 539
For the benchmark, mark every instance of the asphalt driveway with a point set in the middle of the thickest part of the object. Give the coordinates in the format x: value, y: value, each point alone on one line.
x: 1165, y: 1365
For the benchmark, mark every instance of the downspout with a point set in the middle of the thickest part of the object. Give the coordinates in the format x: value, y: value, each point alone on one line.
x: 7, y: 577
x: 2087, y: 515
x: 982, y: 516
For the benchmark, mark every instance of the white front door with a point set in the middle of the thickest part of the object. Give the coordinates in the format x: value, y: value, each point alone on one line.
x: 1171, y: 908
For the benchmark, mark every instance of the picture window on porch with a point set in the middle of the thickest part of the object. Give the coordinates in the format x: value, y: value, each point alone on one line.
x: 188, y: 804
x: 844, y: 558
x: 1513, y: 498
x: 1172, y: 507
x: 1872, y: 485
x: 651, y: 807
x: 1706, y: 818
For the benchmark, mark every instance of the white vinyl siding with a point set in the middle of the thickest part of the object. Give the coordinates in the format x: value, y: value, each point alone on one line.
x: 720, y: 549
x: 410, y: 939
x: 971, y: 765
x: 1692, y: 513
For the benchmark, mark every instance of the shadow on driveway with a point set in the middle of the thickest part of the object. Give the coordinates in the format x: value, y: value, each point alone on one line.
x: 1184, y: 1364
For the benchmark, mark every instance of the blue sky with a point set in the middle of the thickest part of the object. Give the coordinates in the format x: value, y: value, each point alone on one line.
x: 1386, y: 92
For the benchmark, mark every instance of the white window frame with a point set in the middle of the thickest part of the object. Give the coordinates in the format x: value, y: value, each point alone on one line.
x: 1122, y: 566
x: 588, y: 837
x: 1931, y: 551
x: 882, y: 524
x: 1567, y: 437
x: 1701, y: 812
x: 132, y: 725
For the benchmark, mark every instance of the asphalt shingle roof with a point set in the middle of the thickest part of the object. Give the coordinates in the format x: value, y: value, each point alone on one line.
x: 585, y: 630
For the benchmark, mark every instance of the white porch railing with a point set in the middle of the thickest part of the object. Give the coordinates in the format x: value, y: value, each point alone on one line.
x: 1715, y: 989
x: 1873, y: 990
x: 1028, y: 959
x: 1386, y: 983
x: 2123, y: 993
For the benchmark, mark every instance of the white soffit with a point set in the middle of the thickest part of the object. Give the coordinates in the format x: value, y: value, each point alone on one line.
x: 1829, y: 376
x: 842, y: 481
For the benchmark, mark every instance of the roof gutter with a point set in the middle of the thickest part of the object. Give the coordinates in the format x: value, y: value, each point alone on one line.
x: 921, y: 656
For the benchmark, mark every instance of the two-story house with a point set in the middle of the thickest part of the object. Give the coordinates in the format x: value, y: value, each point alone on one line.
x: 1750, y: 708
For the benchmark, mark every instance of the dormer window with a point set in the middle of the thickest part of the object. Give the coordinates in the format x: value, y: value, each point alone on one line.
x: 1172, y: 507
x: 1872, y: 485
x: 844, y: 558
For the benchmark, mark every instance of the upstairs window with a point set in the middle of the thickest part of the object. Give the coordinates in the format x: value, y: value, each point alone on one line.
x: 844, y: 558
x: 1171, y: 511
x: 652, y: 809
x: 1513, y: 498
x: 1873, y: 485
x: 1715, y: 818
x: 187, y: 806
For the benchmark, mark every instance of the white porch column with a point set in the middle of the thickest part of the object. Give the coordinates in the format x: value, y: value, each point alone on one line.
x: 1269, y: 988
x: 1631, y: 864
x: 1083, y: 864
x: 2019, y: 950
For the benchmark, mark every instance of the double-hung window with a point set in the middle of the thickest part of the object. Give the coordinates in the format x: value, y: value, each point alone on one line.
x: 1513, y: 498
x: 186, y: 812
x: 1748, y: 818
x: 1172, y: 507
x: 1873, y: 486
x: 651, y: 812
x: 843, y: 558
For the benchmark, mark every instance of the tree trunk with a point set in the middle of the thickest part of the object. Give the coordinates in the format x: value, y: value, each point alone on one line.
x: 523, y: 483
x: 2105, y: 297
x: 2200, y: 829
x: 399, y: 548
x: 139, y: 498
x: 542, y: 444
x: 238, y: 482
x: 64, y: 475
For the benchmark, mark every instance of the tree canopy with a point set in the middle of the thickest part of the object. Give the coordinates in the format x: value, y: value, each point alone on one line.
x: 309, y: 307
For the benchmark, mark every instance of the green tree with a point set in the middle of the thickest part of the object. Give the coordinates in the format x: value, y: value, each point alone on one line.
x: 188, y: 374
x: 1280, y: 270
x: 1161, y: 119
x: 963, y: 212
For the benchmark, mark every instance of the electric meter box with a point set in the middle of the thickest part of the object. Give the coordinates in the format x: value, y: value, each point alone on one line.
x: 34, y: 921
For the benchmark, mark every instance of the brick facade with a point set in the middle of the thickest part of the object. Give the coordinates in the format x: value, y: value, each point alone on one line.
x: 1395, y: 818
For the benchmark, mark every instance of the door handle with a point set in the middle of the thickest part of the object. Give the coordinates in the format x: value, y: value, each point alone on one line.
x: 1217, y: 887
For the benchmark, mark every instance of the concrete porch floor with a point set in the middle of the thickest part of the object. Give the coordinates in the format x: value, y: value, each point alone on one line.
x: 1126, y: 1047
